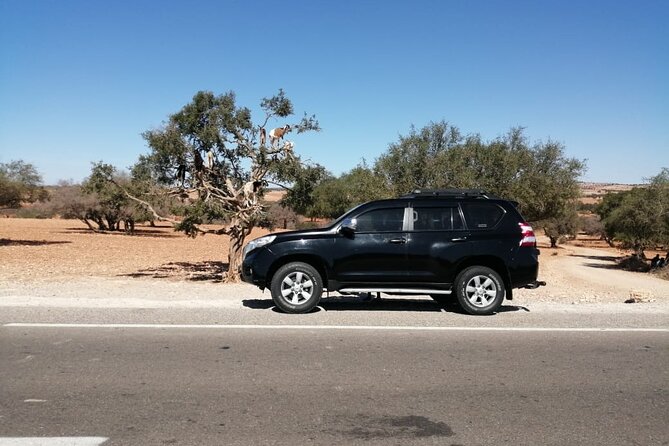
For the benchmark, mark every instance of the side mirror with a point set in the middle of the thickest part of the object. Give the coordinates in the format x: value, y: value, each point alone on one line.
x: 348, y: 226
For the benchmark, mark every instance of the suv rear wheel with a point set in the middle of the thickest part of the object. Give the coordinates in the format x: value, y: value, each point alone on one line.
x: 296, y: 287
x: 480, y: 290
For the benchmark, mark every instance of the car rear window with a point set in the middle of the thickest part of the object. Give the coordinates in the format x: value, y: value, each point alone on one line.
x: 437, y: 219
x: 482, y: 215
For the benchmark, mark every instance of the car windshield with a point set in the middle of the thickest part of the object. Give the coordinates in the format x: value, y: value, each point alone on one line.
x: 342, y: 216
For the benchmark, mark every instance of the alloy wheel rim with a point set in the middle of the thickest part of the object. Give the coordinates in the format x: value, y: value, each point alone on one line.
x: 297, y: 288
x: 481, y: 291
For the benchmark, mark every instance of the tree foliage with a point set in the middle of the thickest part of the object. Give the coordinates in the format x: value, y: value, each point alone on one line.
x: 280, y: 216
x: 410, y: 163
x: 591, y: 224
x: 638, y: 218
x: 213, y: 157
x: 540, y: 177
x: 102, y: 202
x: 300, y: 196
x: 565, y: 224
x: 20, y: 183
x: 334, y: 196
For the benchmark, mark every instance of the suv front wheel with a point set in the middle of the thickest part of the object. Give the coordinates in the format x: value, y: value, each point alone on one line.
x: 480, y: 290
x: 296, y: 287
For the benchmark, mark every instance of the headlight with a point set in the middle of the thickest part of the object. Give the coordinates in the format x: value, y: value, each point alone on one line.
x: 257, y: 243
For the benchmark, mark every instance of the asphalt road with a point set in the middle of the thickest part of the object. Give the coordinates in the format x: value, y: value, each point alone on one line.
x: 474, y: 381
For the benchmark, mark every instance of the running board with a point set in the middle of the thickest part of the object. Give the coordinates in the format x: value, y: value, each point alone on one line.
x: 393, y: 290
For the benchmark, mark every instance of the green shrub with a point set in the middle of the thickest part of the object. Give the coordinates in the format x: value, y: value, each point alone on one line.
x: 308, y: 225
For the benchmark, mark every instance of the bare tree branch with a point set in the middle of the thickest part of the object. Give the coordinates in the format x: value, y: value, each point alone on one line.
x: 143, y: 203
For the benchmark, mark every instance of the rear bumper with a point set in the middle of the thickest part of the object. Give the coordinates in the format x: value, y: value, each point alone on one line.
x: 524, y: 269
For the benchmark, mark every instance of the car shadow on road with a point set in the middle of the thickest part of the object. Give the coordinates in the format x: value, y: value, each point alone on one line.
x: 383, y: 304
x: 208, y: 271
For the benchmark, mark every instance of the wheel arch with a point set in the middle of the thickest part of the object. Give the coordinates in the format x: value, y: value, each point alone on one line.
x: 310, y: 259
x: 492, y: 262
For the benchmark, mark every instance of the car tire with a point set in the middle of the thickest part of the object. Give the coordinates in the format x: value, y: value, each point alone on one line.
x: 296, y: 287
x: 480, y: 290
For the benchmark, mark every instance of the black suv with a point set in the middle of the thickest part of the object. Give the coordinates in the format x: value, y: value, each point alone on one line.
x: 436, y: 243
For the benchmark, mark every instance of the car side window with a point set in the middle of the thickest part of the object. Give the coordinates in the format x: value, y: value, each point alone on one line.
x: 482, y: 215
x: 381, y: 220
x: 437, y: 219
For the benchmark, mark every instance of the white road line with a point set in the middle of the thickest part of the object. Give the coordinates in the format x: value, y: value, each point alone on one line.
x: 52, y: 441
x: 337, y: 327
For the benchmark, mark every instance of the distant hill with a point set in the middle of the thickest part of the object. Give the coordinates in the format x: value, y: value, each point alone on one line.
x: 274, y: 195
x: 593, y: 192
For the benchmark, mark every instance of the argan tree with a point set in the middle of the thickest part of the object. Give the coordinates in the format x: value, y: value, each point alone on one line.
x: 334, y: 196
x: 300, y: 195
x: 539, y: 176
x: 106, y: 202
x: 213, y: 156
x: 638, y: 218
x: 20, y: 183
x: 565, y: 224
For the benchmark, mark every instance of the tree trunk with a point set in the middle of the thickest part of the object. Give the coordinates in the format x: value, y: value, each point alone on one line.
x: 235, y: 252
x: 128, y: 226
x: 234, y: 263
x: 110, y: 224
x: 88, y: 223
x: 101, y: 224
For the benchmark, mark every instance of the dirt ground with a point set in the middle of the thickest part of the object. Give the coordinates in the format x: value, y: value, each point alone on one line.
x: 62, y: 251
x: 32, y: 249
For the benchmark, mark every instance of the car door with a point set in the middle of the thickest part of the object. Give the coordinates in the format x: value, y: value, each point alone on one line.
x: 375, y: 253
x: 436, y: 240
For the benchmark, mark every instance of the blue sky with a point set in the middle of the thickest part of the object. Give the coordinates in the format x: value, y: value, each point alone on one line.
x: 81, y: 80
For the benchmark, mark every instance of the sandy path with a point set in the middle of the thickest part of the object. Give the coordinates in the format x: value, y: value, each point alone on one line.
x: 587, y: 275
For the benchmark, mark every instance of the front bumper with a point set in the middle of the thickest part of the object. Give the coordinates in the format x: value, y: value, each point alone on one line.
x: 249, y: 275
x: 256, y: 265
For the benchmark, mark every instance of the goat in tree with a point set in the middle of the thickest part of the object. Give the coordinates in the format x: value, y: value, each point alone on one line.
x: 275, y: 135
x: 210, y: 159
x: 263, y: 136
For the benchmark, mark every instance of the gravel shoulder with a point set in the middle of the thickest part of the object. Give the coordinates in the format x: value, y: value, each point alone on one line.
x: 111, y: 293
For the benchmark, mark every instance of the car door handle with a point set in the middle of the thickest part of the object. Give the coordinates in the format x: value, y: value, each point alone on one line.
x: 459, y: 239
x: 398, y: 240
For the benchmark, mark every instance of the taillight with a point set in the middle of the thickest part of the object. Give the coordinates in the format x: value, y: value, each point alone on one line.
x: 528, y: 235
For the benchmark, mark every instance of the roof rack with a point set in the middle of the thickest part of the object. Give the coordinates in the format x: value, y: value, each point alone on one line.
x: 457, y: 193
